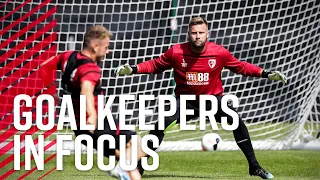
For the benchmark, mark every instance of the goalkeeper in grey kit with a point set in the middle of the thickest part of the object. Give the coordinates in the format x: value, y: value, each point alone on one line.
x: 197, y: 66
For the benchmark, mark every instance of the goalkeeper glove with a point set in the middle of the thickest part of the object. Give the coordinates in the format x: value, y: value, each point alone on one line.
x: 274, y: 75
x: 126, y: 70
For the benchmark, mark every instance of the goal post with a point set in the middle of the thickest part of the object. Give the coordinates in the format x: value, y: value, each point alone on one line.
x: 277, y: 35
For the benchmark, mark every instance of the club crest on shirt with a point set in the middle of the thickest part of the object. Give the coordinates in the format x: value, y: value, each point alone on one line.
x: 184, y: 64
x: 211, y: 63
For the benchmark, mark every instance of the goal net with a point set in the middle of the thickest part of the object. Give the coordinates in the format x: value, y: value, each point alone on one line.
x: 275, y: 35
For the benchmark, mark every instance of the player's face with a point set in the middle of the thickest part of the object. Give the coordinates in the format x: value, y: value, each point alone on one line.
x: 102, y: 49
x: 198, y: 35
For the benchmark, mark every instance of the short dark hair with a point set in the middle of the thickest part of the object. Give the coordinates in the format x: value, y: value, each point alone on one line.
x: 197, y: 20
x: 95, y: 32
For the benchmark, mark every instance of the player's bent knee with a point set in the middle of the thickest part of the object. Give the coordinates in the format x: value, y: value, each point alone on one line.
x: 129, y: 144
x: 117, y: 153
x: 141, y: 153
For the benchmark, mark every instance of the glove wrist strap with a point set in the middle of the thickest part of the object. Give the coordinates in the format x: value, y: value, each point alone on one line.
x: 134, y: 69
x: 265, y: 73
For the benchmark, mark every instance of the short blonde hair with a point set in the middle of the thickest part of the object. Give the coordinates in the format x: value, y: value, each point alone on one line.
x: 95, y: 32
x: 197, y: 20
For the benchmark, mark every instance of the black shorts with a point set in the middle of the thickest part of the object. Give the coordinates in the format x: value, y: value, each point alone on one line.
x: 107, y: 130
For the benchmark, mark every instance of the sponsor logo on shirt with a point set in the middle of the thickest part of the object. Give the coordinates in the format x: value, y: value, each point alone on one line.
x: 211, y: 63
x: 195, y: 78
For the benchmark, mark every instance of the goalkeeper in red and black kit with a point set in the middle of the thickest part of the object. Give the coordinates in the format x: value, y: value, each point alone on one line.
x: 197, y: 67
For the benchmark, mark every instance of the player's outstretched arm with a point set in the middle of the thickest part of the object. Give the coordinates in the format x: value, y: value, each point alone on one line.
x: 247, y: 69
x: 87, y: 89
x: 274, y: 75
x: 154, y: 66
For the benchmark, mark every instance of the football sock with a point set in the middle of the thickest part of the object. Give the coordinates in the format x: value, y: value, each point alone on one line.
x: 160, y: 135
x: 242, y: 138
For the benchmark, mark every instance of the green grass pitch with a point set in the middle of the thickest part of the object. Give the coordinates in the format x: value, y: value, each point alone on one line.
x: 287, y: 165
